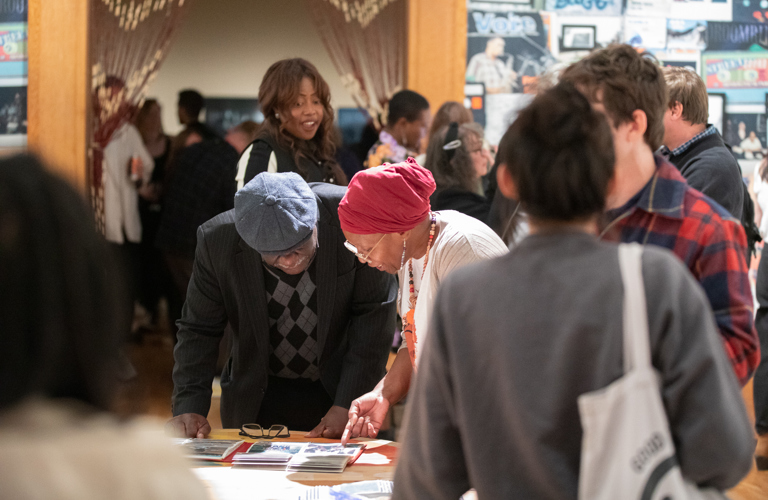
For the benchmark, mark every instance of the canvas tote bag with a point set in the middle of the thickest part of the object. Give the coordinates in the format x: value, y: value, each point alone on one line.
x: 627, y: 452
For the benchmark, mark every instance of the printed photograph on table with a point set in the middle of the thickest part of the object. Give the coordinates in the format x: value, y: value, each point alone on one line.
x: 737, y: 36
x: 223, y: 113
x: 577, y: 38
x: 684, y: 34
x: 735, y: 70
x: 745, y: 130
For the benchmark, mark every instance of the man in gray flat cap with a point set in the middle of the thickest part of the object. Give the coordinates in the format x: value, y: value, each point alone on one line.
x: 312, y: 324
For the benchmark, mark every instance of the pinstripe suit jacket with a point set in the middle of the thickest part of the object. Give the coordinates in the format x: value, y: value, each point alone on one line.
x: 356, y: 319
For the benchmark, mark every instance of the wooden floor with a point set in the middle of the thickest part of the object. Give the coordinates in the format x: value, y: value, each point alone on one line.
x: 150, y: 394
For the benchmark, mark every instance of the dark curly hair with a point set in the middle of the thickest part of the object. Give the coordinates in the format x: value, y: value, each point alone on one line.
x: 278, y: 91
x: 559, y: 153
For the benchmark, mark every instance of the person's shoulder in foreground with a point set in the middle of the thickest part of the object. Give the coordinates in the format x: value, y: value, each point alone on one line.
x: 93, y: 454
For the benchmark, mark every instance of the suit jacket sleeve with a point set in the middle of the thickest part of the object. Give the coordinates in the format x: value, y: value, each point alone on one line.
x: 369, y: 334
x: 201, y: 327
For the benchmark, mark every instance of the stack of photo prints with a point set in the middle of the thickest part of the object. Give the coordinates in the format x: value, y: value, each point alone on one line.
x: 208, y: 449
x: 299, y: 457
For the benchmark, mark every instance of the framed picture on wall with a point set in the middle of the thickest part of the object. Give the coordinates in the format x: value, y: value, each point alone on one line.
x: 577, y: 37
x: 223, y: 113
x: 716, y: 110
x: 745, y: 130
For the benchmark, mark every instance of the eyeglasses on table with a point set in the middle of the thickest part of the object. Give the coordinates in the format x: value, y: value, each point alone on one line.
x: 255, y: 431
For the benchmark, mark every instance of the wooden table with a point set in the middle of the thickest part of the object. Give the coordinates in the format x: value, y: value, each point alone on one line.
x: 227, y: 483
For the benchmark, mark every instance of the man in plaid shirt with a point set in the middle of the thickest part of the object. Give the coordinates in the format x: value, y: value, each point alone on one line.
x: 650, y: 202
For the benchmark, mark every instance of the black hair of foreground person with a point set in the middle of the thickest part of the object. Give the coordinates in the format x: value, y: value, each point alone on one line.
x: 570, y: 143
x: 58, y: 314
x: 515, y: 341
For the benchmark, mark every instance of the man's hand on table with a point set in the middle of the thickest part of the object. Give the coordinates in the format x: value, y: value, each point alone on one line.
x: 366, y: 416
x: 331, y: 425
x: 189, y: 425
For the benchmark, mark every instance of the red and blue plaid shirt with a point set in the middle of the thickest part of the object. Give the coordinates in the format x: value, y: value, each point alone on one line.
x: 669, y: 213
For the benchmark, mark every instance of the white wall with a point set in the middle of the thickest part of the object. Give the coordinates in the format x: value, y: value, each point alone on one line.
x: 224, y: 48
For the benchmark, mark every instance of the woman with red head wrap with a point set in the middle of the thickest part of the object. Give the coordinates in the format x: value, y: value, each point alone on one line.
x: 388, y: 223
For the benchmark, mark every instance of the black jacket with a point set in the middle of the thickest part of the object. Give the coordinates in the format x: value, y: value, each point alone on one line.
x: 355, y: 319
x: 255, y: 160
x: 463, y: 201
x: 709, y: 167
x: 199, y: 188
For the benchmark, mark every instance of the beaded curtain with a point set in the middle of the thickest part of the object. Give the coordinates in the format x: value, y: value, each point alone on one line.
x: 366, y: 40
x: 129, y: 40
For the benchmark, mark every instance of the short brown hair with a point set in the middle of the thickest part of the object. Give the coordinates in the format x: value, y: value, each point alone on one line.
x: 687, y: 88
x: 623, y: 80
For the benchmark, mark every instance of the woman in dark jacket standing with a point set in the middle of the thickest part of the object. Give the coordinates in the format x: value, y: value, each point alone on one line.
x: 298, y: 122
x: 456, y: 158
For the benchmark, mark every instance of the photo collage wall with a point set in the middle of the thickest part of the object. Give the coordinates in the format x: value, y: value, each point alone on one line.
x: 511, y: 43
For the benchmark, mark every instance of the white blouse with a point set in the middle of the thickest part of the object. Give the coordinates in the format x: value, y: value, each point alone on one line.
x: 461, y: 240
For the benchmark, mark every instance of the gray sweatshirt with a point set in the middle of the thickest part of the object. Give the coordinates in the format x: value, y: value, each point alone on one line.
x: 517, y: 339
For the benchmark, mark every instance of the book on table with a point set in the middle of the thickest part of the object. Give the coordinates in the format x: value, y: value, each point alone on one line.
x: 208, y: 449
x: 299, y: 457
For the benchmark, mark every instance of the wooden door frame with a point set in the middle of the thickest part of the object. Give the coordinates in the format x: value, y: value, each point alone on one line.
x: 58, y: 104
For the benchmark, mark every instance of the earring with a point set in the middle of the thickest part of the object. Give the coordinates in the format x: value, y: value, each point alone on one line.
x: 402, y: 258
x: 277, y: 115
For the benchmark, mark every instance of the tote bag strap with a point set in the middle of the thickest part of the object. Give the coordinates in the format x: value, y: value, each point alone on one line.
x: 637, y: 351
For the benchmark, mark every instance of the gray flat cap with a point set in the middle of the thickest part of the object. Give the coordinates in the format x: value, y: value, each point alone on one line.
x: 275, y: 212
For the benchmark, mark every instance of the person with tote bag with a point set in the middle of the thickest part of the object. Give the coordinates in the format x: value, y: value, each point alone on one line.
x: 526, y: 388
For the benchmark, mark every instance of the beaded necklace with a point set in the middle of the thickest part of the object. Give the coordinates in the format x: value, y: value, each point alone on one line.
x: 409, y: 324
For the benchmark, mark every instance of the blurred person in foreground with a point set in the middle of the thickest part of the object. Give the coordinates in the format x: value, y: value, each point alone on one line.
x: 457, y: 160
x: 389, y: 225
x: 60, y: 337
x: 408, y: 121
x: 651, y: 203
x: 312, y: 327
x: 494, y: 405
x: 297, y: 133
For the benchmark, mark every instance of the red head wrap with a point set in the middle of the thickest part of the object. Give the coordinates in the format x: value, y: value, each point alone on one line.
x: 392, y: 198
